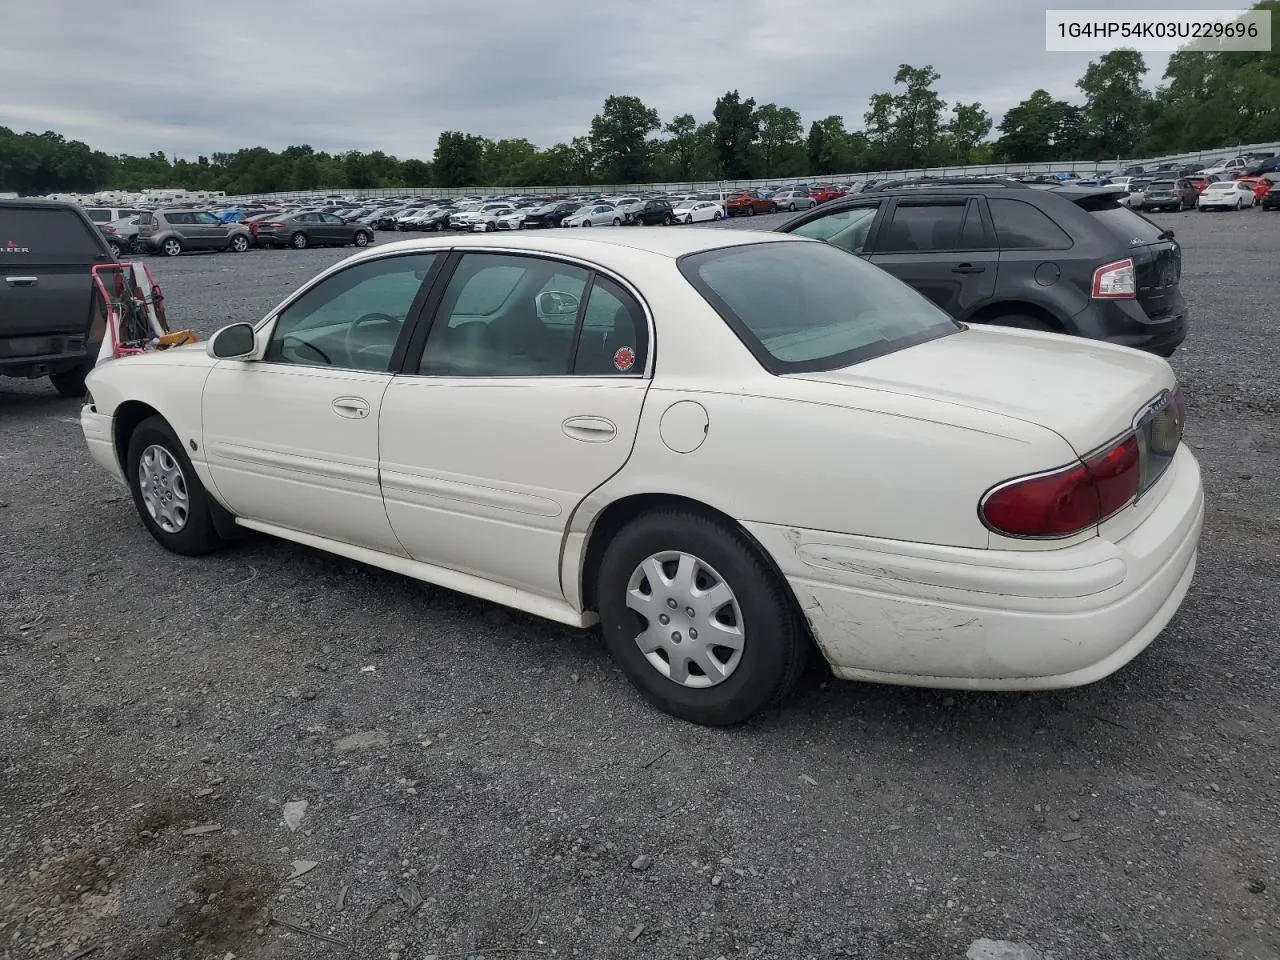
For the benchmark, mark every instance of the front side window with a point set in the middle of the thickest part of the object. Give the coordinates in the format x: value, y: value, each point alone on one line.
x: 844, y: 229
x: 767, y: 294
x: 923, y: 227
x: 352, y: 319
x: 206, y: 218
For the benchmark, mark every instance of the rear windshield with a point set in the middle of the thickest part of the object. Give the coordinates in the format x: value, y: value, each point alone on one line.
x: 99, y: 215
x: 1160, y: 185
x: 801, y: 306
x: 47, y: 235
x: 1133, y: 228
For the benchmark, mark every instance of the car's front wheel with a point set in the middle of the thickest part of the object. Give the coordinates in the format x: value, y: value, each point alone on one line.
x: 361, y: 239
x: 170, y: 498
x: 696, y: 620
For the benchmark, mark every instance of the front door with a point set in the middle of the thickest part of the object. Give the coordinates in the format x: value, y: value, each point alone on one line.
x: 209, y: 232
x: 335, y: 229
x: 526, y: 398
x: 292, y: 439
x: 943, y: 249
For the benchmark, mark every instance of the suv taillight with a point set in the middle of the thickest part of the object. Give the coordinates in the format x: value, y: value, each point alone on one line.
x: 1115, y: 281
x: 1066, y: 501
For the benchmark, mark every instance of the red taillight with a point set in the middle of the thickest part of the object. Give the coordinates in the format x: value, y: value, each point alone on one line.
x: 1069, y: 500
x: 1115, y: 281
x: 109, y: 229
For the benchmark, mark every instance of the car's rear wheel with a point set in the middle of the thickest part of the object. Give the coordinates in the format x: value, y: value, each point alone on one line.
x: 617, y: 222
x: 239, y: 243
x: 70, y: 383
x: 751, y: 211
x: 361, y: 239
x: 167, y: 492
x: 115, y: 248
x: 668, y: 219
x: 171, y: 247
x: 696, y: 620
x: 298, y: 241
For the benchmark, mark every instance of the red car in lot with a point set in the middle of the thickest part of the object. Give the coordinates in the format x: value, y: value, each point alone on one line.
x: 1200, y: 181
x: 821, y: 193
x: 1261, y: 185
x: 749, y: 203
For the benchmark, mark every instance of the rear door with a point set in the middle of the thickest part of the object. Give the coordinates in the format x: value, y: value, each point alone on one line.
x: 942, y: 248
x: 46, y: 254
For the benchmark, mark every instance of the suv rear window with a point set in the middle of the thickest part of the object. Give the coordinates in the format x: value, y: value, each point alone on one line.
x: 47, y: 234
x: 1130, y: 227
x: 99, y: 214
x: 767, y: 294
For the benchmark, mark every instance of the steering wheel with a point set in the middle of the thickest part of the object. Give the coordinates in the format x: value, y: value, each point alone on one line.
x: 349, y: 344
x: 284, y: 342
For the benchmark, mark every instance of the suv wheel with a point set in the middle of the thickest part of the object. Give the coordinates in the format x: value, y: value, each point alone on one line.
x: 239, y: 243
x: 171, y: 247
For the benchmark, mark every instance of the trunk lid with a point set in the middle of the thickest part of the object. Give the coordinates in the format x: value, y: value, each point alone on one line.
x: 1085, y: 391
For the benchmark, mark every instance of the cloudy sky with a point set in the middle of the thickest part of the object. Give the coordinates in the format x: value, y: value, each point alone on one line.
x: 191, y: 77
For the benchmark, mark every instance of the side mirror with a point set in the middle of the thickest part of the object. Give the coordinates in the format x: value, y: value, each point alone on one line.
x: 236, y: 342
x: 556, y: 303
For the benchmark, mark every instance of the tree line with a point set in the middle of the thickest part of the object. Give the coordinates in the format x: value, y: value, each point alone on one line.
x: 1206, y: 100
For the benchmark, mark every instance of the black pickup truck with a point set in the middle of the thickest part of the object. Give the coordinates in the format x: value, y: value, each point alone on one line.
x: 50, y: 319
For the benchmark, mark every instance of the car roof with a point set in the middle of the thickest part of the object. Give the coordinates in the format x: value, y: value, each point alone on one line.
x: 663, y: 243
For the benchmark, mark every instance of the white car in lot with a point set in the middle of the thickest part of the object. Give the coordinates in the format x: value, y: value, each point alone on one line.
x: 729, y: 448
x: 697, y: 211
x: 497, y: 218
x: 1226, y: 195
x: 594, y: 215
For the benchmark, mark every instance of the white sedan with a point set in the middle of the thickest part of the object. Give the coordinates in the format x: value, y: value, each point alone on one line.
x: 594, y: 215
x: 697, y: 211
x: 1226, y: 195
x: 730, y: 448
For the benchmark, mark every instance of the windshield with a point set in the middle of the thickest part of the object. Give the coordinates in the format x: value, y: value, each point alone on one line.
x: 766, y: 293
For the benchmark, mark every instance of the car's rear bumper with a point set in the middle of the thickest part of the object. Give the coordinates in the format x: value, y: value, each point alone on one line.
x: 40, y: 354
x: 1126, y: 323
x: 921, y: 615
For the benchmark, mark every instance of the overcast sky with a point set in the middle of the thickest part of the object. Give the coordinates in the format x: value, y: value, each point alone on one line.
x: 191, y: 77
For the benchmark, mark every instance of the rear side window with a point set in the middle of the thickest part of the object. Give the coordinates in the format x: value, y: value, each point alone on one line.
x: 1021, y: 226
x: 99, y: 215
x: 924, y: 227
x: 40, y: 235
x: 767, y: 294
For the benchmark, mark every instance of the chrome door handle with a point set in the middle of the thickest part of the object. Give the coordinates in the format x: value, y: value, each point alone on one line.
x: 589, y: 429
x: 353, y: 408
x: 22, y: 281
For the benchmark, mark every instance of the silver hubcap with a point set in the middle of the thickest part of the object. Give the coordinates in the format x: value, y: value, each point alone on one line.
x: 164, y: 489
x: 690, y: 622
x: 172, y: 248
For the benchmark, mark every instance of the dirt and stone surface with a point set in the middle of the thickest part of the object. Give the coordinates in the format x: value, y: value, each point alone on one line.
x: 479, y: 783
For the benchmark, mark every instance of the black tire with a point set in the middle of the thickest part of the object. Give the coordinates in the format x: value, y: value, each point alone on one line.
x: 1021, y: 321
x: 751, y: 210
x: 70, y: 383
x: 668, y: 219
x: 299, y: 241
x: 239, y: 243
x: 617, y: 222
x: 198, y: 535
x: 362, y: 238
x: 775, y: 644
x: 115, y: 248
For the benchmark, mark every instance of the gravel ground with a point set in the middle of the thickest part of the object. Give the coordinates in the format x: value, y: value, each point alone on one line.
x: 482, y: 783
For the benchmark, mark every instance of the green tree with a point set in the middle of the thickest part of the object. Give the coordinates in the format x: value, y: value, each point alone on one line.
x: 1116, y: 111
x: 682, y: 146
x: 736, y: 134
x: 416, y: 173
x: 779, y: 141
x: 1039, y: 128
x: 970, y: 124
x: 458, y: 159
x: 619, y: 139
x: 507, y: 162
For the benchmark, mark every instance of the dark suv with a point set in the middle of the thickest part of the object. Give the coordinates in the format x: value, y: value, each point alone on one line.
x: 50, y: 320
x: 654, y: 211
x: 1066, y: 259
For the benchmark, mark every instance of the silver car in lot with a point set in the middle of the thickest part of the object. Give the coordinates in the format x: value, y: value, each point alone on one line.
x: 172, y: 232
x: 594, y: 215
x: 792, y: 200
